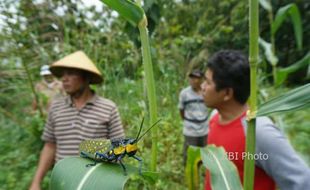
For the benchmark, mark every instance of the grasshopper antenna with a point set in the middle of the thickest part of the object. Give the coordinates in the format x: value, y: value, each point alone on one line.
x: 140, y: 129
x: 148, y: 130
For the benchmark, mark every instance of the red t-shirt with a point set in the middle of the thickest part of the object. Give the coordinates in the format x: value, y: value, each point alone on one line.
x: 231, y: 136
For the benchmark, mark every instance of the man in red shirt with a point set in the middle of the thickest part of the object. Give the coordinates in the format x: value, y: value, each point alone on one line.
x: 226, y: 88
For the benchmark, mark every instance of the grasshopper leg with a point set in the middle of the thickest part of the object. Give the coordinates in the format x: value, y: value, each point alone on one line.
x: 140, y: 163
x: 120, y: 161
x: 100, y: 155
x: 85, y: 155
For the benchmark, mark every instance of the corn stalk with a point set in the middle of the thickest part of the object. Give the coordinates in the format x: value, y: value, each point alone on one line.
x: 133, y: 13
x: 249, y: 168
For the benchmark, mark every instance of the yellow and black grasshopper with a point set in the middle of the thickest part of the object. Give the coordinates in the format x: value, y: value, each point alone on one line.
x: 101, y: 150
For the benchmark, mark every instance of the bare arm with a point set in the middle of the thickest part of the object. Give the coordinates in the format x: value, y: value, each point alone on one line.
x: 46, y: 161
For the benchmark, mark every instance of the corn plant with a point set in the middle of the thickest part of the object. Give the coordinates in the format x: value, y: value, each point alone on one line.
x: 133, y: 13
x: 249, y: 165
x: 192, y: 167
x: 289, y: 11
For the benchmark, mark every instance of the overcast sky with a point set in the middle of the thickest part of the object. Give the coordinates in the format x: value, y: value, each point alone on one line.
x: 97, y: 3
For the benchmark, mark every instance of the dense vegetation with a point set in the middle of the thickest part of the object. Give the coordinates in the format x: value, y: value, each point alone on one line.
x: 183, y: 35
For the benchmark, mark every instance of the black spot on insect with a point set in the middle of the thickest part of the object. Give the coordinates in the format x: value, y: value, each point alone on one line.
x: 113, y: 150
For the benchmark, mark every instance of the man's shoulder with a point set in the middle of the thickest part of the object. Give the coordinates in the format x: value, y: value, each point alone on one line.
x: 57, y: 84
x: 101, y: 101
x: 186, y: 90
x: 266, y: 125
x: 40, y: 86
x: 263, y: 124
x: 58, y: 104
x: 62, y: 100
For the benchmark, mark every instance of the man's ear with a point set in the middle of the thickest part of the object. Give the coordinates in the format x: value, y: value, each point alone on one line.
x: 229, y: 94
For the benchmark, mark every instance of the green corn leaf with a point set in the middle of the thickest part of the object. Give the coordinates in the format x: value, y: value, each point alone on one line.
x: 224, y: 175
x: 297, y: 98
x: 270, y: 56
x: 266, y: 5
x: 192, y: 169
x: 72, y: 174
x: 128, y: 9
x: 292, y: 11
x: 284, y: 72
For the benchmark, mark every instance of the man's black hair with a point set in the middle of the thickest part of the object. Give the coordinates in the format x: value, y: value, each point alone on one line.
x: 231, y: 69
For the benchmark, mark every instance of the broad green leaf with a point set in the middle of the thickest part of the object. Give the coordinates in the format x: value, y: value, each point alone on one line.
x: 72, y: 174
x: 128, y: 9
x: 266, y: 5
x: 224, y: 175
x: 292, y: 11
x: 271, y: 57
x: 295, y: 99
x: 192, y: 167
x: 284, y: 72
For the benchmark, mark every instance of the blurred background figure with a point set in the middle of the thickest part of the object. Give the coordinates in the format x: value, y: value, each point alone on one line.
x: 48, y: 89
x: 194, y: 113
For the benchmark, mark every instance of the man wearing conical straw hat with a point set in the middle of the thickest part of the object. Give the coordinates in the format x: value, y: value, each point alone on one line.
x: 79, y: 116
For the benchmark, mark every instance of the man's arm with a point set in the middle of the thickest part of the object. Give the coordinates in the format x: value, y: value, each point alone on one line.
x: 282, y: 163
x: 181, y: 105
x: 46, y: 161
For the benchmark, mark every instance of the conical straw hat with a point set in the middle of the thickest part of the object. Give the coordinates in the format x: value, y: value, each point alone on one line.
x: 77, y: 60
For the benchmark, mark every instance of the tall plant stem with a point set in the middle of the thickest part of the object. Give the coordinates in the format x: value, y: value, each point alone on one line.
x: 274, y: 74
x: 35, y: 94
x: 273, y: 45
x: 249, y: 168
x: 151, y: 93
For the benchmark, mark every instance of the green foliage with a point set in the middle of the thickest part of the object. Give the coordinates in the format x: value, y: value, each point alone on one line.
x: 283, y: 73
x: 266, y: 5
x: 224, y: 173
x: 295, y: 99
x: 128, y: 9
x: 292, y: 11
x: 289, y: 11
x: 102, y: 176
x: 20, y: 146
x: 269, y: 54
x: 192, y: 167
x: 135, y: 14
